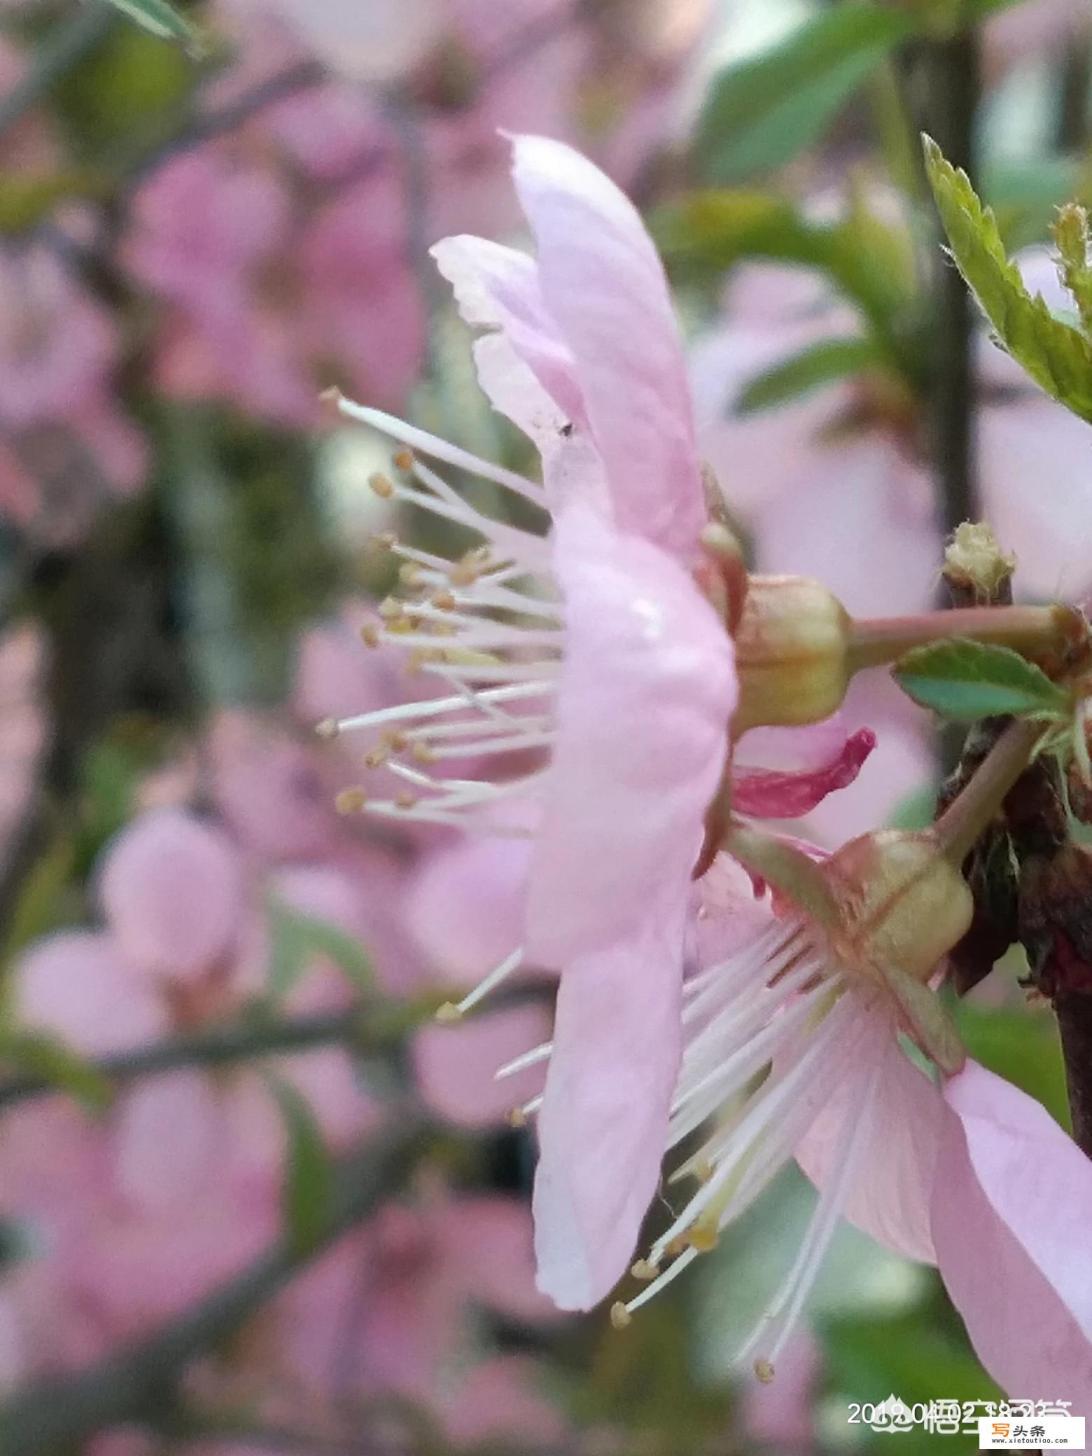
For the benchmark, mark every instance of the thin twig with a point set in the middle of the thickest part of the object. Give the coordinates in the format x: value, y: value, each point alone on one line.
x: 208, y: 1049
x: 137, y: 1383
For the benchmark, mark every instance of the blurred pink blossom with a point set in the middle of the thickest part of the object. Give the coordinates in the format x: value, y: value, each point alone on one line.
x: 65, y: 446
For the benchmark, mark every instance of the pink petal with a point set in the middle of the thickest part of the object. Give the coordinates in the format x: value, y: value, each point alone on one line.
x: 454, y: 1065
x: 166, y: 1138
x: 488, y: 1249
x: 171, y: 888
x: 1010, y: 1221
x: 603, y: 1124
x: 497, y: 287
x: 768, y: 794
x: 603, y: 285
x: 889, y: 1199
x: 77, y: 986
x: 466, y: 906
x: 1050, y: 527
x: 647, y: 692
x: 498, y: 1398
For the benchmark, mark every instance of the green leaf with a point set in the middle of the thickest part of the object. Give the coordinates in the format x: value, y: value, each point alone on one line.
x: 867, y: 259
x: 762, y: 111
x: 813, y: 367
x: 295, y: 940
x: 1056, y: 356
x: 308, y: 1185
x: 964, y: 680
x: 1072, y: 237
x: 35, y: 1054
x: 161, y: 19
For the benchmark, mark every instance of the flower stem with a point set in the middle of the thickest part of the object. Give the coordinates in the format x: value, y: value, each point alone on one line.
x: 970, y: 814
x: 1033, y: 631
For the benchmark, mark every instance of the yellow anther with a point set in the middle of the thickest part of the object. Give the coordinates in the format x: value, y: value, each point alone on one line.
x: 620, y: 1316
x: 703, y: 1237
x: 328, y: 728
x: 405, y: 800
x: 764, y: 1371
x: 448, y: 1013
x: 377, y: 755
x: 445, y: 601
x: 409, y: 573
x: 517, y: 1118
x: 350, y: 801
x: 369, y: 634
x: 422, y: 753
x: 644, y: 1269
x: 389, y: 609
x: 403, y: 460
x: 382, y: 485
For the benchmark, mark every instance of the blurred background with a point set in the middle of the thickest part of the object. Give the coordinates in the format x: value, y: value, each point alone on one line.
x: 253, y: 1200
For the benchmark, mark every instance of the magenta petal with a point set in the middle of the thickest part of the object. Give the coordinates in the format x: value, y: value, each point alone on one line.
x: 647, y: 691
x: 602, y: 283
x: 772, y: 794
x: 1010, y: 1217
x: 603, y: 1124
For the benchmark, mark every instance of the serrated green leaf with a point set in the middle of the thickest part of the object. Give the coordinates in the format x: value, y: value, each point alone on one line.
x: 160, y: 19
x: 964, y: 680
x: 34, y: 1054
x: 762, y: 111
x: 307, y: 1186
x: 1058, y: 358
x: 813, y: 367
x: 1071, y: 235
x: 296, y: 939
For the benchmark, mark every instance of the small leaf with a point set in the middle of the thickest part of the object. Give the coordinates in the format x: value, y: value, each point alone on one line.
x: 1071, y: 235
x: 161, y: 19
x: 37, y: 1055
x: 964, y: 680
x: 308, y: 1184
x: 762, y: 111
x: 296, y: 939
x: 1057, y: 357
x: 813, y: 367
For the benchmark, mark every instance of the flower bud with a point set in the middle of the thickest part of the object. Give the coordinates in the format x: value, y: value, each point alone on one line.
x: 901, y: 903
x: 792, y: 652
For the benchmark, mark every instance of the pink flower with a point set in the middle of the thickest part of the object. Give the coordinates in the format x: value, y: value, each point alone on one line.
x: 604, y: 692
x: 66, y: 445
x: 791, y: 1053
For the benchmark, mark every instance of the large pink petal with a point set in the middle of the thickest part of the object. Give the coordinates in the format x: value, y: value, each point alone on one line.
x: 777, y: 794
x: 76, y: 985
x: 603, y: 1124
x: 171, y: 887
x: 647, y: 691
x: 889, y: 1198
x: 1010, y: 1221
x: 603, y: 284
